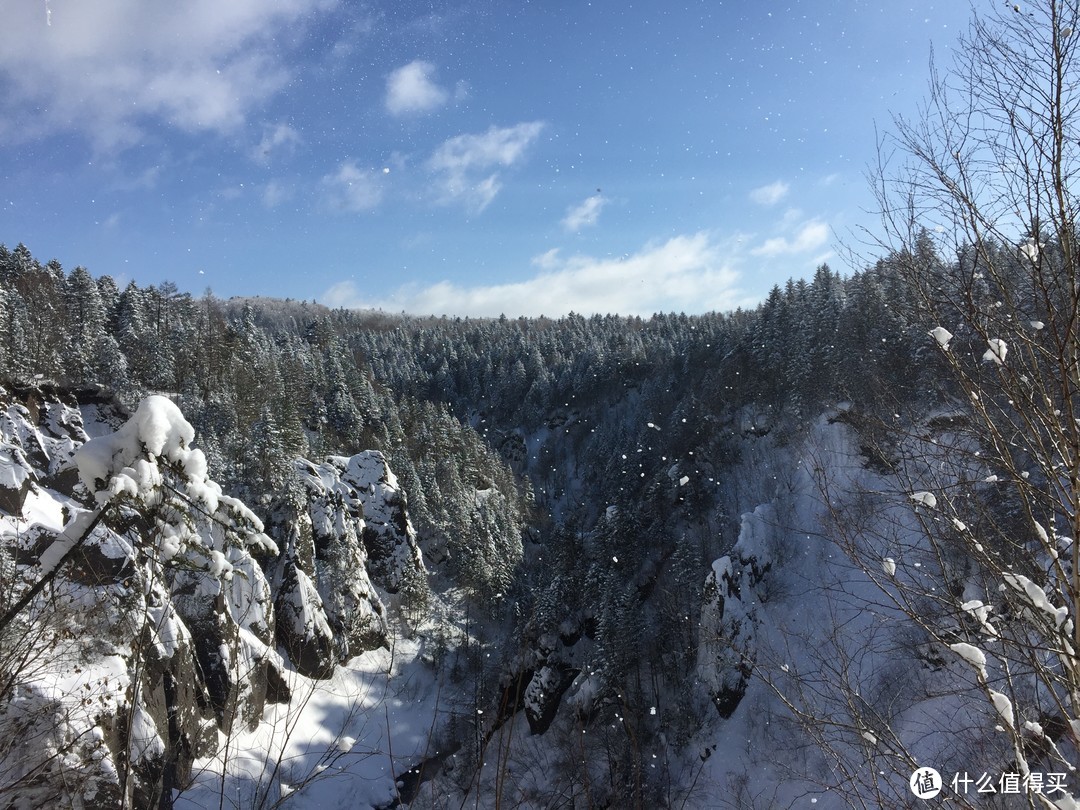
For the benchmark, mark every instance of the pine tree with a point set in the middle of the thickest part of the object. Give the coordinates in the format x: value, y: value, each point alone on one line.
x: 86, y: 326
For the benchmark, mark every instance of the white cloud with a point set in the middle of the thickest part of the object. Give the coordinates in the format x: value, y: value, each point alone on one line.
x: 352, y: 190
x: 811, y: 236
x: 411, y: 89
x: 482, y: 192
x: 274, y: 194
x: 146, y: 179
x: 499, y: 146
x: 585, y: 213
x: 275, y: 138
x: 548, y: 260
x: 110, y: 67
x: 686, y: 273
x: 464, y: 163
x: 770, y: 194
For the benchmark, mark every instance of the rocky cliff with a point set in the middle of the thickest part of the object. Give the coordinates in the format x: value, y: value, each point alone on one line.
x: 165, y: 611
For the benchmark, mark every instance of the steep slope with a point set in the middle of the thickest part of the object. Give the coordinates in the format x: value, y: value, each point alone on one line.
x: 154, y: 636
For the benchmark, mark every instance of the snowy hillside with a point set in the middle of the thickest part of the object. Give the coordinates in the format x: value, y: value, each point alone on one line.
x: 149, y: 660
x: 325, y: 559
x: 187, y: 650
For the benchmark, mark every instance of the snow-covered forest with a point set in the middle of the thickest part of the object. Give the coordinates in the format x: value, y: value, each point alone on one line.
x: 261, y: 553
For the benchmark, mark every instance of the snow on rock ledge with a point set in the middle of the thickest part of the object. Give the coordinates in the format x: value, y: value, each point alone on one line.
x: 393, y: 554
x: 109, y: 624
x: 16, y: 477
x: 345, y: 526
x: 729, y: 618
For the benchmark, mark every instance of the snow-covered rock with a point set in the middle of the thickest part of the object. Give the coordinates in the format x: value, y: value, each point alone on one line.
x: 727, y: 650
x: 132, y: 658
x: 302, y: 628
x: 40, y: 431
x: 344, y: 529
x: 543, y: 694
x: 16, y: 478
x: 388, y: 535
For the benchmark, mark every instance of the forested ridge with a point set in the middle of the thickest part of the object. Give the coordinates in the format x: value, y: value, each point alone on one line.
x: 460, y: 404
x: 824, y: 551
x: 285, y: 378
x: 579, y: 486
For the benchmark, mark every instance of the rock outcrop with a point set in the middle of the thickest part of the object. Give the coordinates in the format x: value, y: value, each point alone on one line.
x: 344, y: 529
x: 727, y: 649
x: 162, y: 624
x: 103, y: 676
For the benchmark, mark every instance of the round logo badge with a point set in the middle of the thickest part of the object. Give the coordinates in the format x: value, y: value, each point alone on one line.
x: 925, y: 783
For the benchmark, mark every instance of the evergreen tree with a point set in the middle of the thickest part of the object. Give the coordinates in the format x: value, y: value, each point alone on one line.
x: 85, y: 326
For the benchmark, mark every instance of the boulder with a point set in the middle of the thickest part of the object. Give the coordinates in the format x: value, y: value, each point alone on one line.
x: 16, y: 479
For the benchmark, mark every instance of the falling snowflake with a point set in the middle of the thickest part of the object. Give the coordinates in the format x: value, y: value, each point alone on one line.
x: 997, y: 351
x: 1030, y: 249
x: 942, y: 336
x: 927, y: 499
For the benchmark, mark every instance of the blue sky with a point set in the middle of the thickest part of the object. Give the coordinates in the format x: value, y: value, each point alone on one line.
x: 469, y: 158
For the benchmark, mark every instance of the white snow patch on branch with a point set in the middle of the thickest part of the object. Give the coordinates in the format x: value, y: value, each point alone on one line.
x: 135, y: 460
x: 1030, y: 249
x: 1037, y: 597
x: 73, y: 532
x: 980, y: 611
x: 973, y: 655
x: 1004, y: 706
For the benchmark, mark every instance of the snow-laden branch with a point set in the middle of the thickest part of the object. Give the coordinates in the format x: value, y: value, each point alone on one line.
x: 150, y: 458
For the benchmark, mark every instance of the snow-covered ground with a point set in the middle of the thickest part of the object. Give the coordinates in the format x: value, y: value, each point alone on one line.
x: 814, y: 689
x: 341, y: 742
